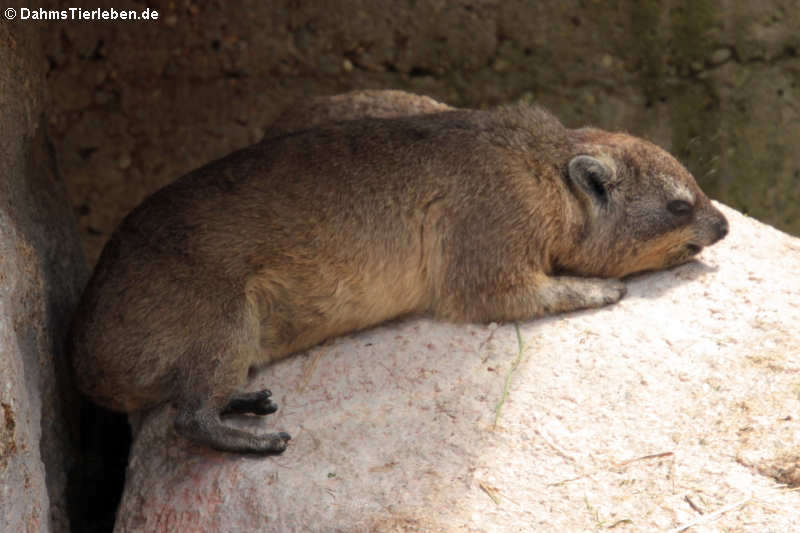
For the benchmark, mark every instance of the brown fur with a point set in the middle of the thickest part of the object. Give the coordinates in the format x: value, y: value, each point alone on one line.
x: 470, y: 215
x: 353, y: 105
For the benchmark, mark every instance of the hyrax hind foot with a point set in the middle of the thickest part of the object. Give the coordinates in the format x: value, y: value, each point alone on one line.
x: 257, y: 403
x: 204, y: 426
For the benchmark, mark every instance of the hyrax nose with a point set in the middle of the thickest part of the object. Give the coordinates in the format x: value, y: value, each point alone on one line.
x: 720, y: 227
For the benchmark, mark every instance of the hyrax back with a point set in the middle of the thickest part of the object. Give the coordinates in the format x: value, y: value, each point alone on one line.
x: 353, y: 105
x: 472, y: 215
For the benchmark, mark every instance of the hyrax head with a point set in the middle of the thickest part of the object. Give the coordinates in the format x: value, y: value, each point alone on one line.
x: 643, y: 210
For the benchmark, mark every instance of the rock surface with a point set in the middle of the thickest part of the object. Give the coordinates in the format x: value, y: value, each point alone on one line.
x: 42, y: 270
x: 678, y: 404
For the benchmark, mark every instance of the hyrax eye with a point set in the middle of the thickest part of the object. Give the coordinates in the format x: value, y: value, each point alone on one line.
x: 679, y: 207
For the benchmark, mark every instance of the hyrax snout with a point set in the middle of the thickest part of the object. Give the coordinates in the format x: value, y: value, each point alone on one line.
x: 471, y: 215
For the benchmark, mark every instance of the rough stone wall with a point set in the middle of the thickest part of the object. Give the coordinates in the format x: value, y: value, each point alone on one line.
x: 42, y: 270
x: 136, y: 104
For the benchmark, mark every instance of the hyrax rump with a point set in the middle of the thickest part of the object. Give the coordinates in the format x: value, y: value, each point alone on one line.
x: 494, y: 215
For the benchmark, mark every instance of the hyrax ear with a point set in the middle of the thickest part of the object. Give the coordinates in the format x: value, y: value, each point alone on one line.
x: 592, y: 175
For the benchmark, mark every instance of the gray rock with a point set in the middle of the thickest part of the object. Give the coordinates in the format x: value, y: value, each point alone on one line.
x: 42, y: 270
x: 680, y: 399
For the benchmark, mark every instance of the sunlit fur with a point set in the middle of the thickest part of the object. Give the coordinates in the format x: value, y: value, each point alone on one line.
x: 635, y: 232
x: 467, y: 215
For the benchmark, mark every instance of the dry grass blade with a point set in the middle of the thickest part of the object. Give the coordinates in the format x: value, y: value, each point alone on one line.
x: 711, y: 516
x: 514, y: 366
x: 616, y: 465
x: 490, y: 491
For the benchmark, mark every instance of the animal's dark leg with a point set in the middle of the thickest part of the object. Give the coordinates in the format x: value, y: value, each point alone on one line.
x: 209, y: 377
x: 257, y: 403
x: 203, y: 425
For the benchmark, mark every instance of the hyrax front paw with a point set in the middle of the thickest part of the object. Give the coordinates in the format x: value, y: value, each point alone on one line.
x: 604, y: 292
x: 568, y: 293
x: 561, y: 294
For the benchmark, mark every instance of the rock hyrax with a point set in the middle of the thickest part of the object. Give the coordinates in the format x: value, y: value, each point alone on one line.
x: 494, y: 215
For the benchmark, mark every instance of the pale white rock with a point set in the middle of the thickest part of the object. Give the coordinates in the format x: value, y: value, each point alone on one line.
x: 685, y: 391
